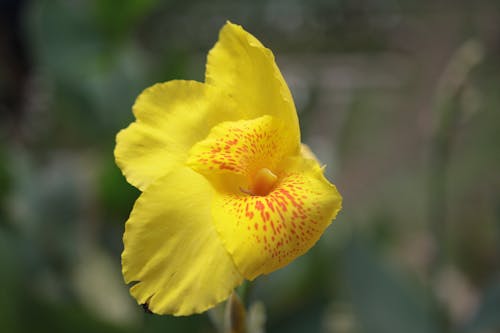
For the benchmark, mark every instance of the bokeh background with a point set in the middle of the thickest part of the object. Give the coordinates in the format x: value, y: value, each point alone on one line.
x: 400, y: 99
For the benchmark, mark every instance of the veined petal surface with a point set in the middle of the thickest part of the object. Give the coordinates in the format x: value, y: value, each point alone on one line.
x: 170, y: 118
x: 243, y: 68
x: 265, y: 233
x: 173, y: 254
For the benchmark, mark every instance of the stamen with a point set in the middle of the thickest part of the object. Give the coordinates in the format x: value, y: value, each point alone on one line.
x: 244, y: 190
x: 263, y: 182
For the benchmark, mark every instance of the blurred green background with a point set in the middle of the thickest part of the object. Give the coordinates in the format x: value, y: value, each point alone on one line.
x: 401, y: 100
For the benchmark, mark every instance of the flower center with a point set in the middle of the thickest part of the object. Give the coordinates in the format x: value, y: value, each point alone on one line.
x: 263, y: 182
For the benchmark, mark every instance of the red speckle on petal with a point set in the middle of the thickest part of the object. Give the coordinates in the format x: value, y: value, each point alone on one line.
x: 278, y: 224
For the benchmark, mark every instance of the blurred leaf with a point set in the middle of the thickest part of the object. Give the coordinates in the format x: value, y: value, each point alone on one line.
x: 99, y: 285
x: 161, y: 324
x: 41, y: 316
x: 216, y: 316
x: 9, y: 280
x: 487, y: 317
x: 383, y: 300
x: 115, y: 20
x: 65, y: 40
x: 256, y: 318
x: 4, y: 183
x: 94, y: 82
x: 115, y: 194
x: 307, y: 319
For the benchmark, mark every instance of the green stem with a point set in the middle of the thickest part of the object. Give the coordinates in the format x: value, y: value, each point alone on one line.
x: 448, y: 111
x: 245, y: 290
x: 438, y: 164
x: 235, y: 315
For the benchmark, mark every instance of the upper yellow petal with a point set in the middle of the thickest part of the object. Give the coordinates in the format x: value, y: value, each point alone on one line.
x: 264, y: 233
x: 170, y: 118
x: 243, y: 68
x: 173, y: 254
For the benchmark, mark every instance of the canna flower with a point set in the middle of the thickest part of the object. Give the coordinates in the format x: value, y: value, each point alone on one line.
x: 228, y: 191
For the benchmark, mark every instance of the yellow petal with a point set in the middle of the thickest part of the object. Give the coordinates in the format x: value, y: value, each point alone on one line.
x: 173, y: 254
x: 170, y: 118
x: 306, y: 152
x: 264, y: 233
x: 242, y: 147
x: 242, y: 67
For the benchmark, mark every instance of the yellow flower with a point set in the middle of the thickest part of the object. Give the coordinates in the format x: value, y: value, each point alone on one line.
x: 227, y: 191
